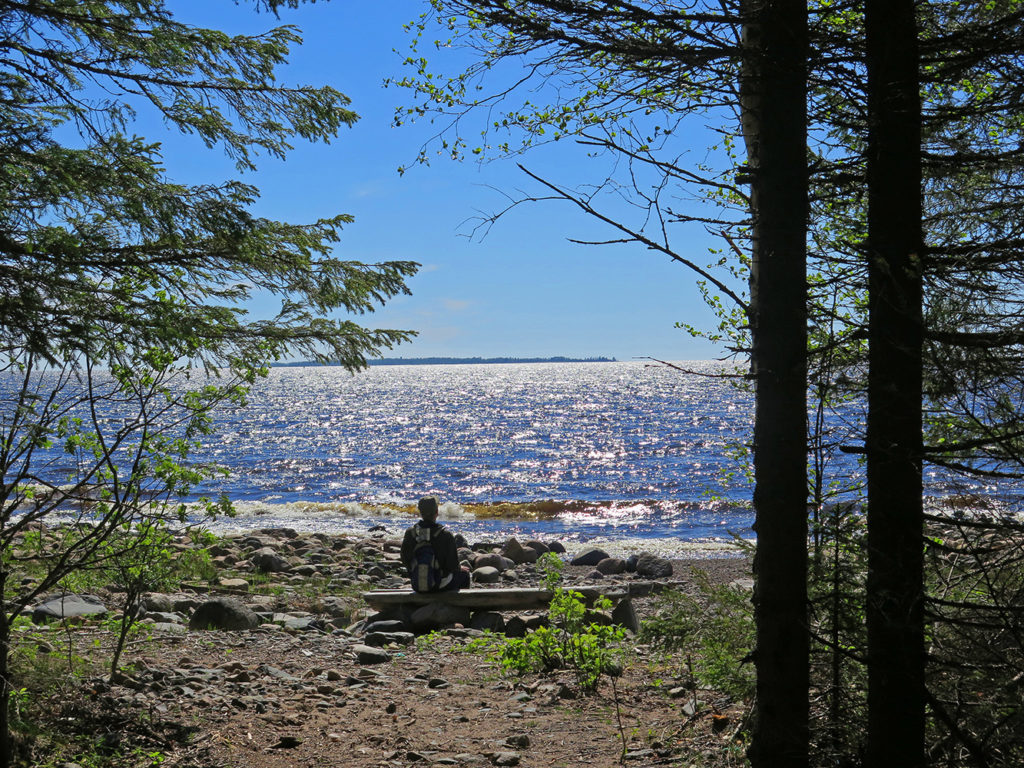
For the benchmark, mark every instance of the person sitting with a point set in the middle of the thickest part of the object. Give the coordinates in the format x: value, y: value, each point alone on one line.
x: 430, y: 553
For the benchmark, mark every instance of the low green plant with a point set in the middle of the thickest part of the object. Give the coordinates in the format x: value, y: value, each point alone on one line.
x: 714, y: 630
x: 424, y: 642
x: 551, y: 567
x: 569, y: 639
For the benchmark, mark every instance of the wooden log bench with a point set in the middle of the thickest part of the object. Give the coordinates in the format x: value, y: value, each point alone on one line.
x: 499, y: 598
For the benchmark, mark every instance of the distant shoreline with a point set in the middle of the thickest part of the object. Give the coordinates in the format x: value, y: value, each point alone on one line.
x: 464, y: 361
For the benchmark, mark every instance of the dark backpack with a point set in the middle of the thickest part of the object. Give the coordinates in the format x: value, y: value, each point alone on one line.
x: 425, y: 571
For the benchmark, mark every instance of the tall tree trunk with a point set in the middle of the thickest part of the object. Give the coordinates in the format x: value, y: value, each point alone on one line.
x: 774, y: 111
x: 6, y: 744
x: 895, y: 618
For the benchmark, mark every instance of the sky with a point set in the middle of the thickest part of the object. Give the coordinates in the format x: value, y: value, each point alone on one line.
x: 523, y: 289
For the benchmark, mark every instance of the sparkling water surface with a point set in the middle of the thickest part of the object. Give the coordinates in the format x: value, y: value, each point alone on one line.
x: 612, y: 452
x: 627, y: 456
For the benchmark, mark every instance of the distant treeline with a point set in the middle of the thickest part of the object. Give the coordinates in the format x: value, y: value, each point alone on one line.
x: 486, y: 360
x: 471, y: 360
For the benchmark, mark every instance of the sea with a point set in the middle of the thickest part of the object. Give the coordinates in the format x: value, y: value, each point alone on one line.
x: 624, y: 455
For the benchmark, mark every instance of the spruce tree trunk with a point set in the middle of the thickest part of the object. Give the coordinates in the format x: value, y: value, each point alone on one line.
x: 774, y: 113
x: 895, y: 619
x: 6, y: 746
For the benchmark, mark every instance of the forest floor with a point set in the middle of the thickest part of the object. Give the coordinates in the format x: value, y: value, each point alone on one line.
x: 272, y: 698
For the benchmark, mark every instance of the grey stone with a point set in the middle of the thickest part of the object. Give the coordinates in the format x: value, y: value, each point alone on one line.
x: 335, y: 607
x: 556, y: 547
x: 624, y: 614
x: 366, y: 654
x: 486, y: 575
x: 223, y: 613
x: 519, y: 554
x: 590, y: 557
x: 267, y: 560
x: 437, y: 615
x: 515, y: 626
x: 185, y: 604
x: 278, y: 674
x: 653, y: 566
x: 631, y: 563
x: 378, y: 639
x: 67, y: 606
x: 387, y: 625
x: 539, y: 546
x: 158, y: 603
x: 640, y: 754
x: 302, y: 623
x: 611, y: 566
x: 505, y: 758
x: 493, y: 560
x: 535, y: 621
x: 165, y: 617
x: 489, y: 621
x: 256, y: 542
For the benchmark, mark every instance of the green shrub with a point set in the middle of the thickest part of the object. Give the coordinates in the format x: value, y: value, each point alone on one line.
x: 714, y: 630
x: 569, y: 641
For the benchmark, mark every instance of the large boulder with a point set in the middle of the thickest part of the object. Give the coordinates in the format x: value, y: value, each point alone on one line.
x: 223, y: 613
x: 519, y: 554
x: 653, y: 566
x: 67, y: 606
x: 590, y: 557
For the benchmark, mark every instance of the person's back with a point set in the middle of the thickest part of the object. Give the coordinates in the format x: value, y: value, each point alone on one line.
x: 430, y: 554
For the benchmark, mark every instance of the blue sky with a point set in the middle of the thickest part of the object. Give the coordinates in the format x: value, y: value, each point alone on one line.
x: 522, y: 290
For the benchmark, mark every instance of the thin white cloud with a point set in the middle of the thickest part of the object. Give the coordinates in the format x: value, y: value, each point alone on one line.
x: 456, y: 305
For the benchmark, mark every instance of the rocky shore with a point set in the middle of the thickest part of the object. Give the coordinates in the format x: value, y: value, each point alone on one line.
x: 277, y: 661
